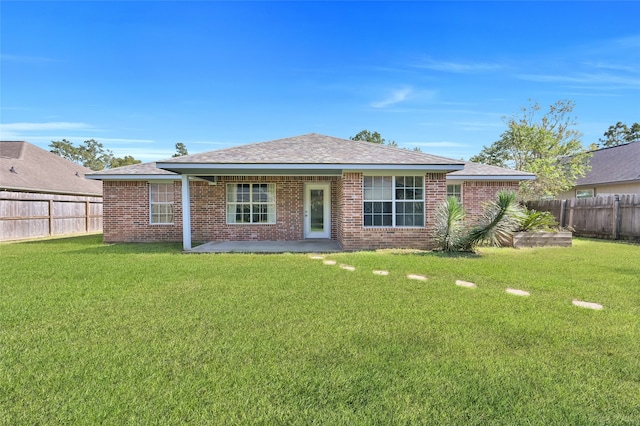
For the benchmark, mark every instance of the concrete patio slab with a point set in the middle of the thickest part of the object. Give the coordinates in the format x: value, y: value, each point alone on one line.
x: 300, y: 246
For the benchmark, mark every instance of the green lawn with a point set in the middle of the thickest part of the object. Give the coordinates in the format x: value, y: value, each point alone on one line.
x: 142, y: 334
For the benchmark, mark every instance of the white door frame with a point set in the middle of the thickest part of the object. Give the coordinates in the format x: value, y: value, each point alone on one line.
x: 326, y: 186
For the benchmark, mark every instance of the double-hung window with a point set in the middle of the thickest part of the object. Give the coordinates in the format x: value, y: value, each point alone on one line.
x: 394, y: 201
x: 251, y: 203
x: 161, y: 203
x: 455, y: 191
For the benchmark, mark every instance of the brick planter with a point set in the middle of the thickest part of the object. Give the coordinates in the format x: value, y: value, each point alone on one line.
x: 541, y: 239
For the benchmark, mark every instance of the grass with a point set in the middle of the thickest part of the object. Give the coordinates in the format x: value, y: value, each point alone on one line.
x: 142, y: 334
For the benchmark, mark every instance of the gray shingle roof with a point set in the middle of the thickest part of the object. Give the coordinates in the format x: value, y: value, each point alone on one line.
x: 612, y: 165
x: 313, y: 149
x: 478, y: 169
x: 25, y: 167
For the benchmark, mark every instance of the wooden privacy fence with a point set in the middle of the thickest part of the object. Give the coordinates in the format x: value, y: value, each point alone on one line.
x: 31, y: 215
x: 614, y: 217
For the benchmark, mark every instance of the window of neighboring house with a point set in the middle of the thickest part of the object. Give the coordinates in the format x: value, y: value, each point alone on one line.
x: 161, y: 202
x: 584, y: 193
x: 251, y: 203
x: 395, y: 201
x: 455, y: 191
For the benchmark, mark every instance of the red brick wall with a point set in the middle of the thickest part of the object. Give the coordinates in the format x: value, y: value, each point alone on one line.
x: 126, y: 213
x: 476, y: 193
x: 354, y: 236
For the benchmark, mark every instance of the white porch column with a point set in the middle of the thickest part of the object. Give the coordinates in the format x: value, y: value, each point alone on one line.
x: 186, y: 213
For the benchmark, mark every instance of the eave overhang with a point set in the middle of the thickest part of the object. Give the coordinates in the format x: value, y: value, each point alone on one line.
x: 287, y: 169
x: 489, y: 177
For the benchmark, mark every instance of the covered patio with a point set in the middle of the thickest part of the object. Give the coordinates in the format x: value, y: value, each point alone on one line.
x: 299, y: 246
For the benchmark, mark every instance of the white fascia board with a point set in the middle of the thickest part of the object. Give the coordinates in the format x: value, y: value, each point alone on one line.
x: 297, y: 167
x: 134, y: 177
x: 489, y: 177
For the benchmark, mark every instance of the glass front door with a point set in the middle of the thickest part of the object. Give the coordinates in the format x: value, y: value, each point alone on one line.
x: 317, y: 210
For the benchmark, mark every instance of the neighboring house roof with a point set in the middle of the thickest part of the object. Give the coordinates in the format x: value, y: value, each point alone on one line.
x: 25, y: 167
x: 616, y: 164
x: 310, y: 154
x: 478, y: 171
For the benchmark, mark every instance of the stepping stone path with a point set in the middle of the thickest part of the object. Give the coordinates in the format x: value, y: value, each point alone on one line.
x: 417, y: 277
x: 461, y: 283
x: 588, y: 305
x: 466, y: 284
x: 517, y: 292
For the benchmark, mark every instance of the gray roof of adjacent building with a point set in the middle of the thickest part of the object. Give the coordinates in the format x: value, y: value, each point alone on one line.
x: 615, y: 164
x: 27, y: 168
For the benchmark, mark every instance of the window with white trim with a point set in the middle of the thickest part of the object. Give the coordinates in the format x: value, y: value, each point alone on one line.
x: 584, y: 193
x: 161, y: 203
x: 251, y: 203
x: 455, y: 190
x: 394, y: 201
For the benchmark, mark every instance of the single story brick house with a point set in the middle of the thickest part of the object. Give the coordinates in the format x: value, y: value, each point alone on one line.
x: 359, y: 194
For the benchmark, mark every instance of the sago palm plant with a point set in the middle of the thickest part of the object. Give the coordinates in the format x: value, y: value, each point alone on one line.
x: 499, y: 220
x: 449, y: 226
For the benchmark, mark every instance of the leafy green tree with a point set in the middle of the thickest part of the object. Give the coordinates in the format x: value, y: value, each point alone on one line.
x: 620, y: 133
x: 127, y: 160
x: 91, y: 154
x: 546, y: 145
x: 373, y: 137
x: 181, y: 150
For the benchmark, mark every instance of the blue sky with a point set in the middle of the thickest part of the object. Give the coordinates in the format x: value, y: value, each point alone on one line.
x: 141, y: 76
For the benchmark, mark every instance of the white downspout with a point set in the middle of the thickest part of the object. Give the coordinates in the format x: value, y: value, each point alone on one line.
x: 186, y: 214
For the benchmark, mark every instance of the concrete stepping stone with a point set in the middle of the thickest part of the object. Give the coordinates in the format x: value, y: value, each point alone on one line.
x: 588, y: 305
x: 417, y: 277
x: 348, y: 267
x: 329, y: 262
x: 380, y: 272
x: 517, y: 292
x: 466, y: 284
x: 316, y: 257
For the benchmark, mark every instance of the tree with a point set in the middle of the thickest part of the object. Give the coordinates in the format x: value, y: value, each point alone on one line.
x: 374, y: 137
x: 91, y: 154
x: 127, y: 160
x: 547, y: 146
x: 367, y: 136
x: 181, y: 150
x: 620, y: 133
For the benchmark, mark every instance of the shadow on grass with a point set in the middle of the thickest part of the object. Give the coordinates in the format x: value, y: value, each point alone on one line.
x: 93, y: 244
x: 440, y: 254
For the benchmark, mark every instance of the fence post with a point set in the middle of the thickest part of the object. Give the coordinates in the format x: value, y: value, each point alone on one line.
x: 572, y: 204
x: 50, y: 217
x: 616, y: 217
x: 86, y: 216
x: 563, y: 212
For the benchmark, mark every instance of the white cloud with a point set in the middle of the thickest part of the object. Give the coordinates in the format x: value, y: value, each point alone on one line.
x: 38, y: 127
x: 458, y: 67
x: 396, y: 96
x: 584, y: 79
